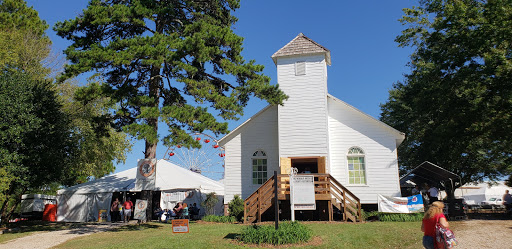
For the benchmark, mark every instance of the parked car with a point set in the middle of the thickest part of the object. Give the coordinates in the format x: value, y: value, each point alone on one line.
x: 493, y: 202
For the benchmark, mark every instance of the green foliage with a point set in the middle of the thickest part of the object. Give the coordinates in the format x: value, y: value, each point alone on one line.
x: 219, y: 219
x: 23, y: 42
x: 99, y: 144
x: 35, y: 141
x: 236, y: 207
x: 392, y: 217
x: 158, y: 56
x: 209, y: 202
x: 288, y: 233
x: 455, y: 106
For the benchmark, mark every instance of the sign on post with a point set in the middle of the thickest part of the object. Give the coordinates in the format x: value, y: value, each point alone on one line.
x: 303, y: 192
x: 140, y: 210
x: 180, y: 226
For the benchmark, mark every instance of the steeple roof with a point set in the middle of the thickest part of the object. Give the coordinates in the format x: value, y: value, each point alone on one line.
x: 302, y: 45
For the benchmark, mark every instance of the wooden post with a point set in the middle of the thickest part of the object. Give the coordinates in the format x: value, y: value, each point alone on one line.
x: 245, y: 212
x: 328, y: 186
x: 344, y: 207
x: 259, y: 205
x: 276, y: 200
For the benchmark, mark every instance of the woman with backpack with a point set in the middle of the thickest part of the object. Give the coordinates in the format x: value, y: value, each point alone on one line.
x: 433, y: 216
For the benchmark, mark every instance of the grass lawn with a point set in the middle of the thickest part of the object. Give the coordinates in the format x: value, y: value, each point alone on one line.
x: 213, y: 235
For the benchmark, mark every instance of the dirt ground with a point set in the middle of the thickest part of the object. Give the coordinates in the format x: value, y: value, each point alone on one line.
x: 483, y: 233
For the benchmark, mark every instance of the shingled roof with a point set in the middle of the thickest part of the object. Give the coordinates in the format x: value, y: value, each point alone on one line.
x: 302, y: 45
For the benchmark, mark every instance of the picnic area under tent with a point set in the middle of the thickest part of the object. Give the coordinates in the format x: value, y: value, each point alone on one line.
x: 83, y: 202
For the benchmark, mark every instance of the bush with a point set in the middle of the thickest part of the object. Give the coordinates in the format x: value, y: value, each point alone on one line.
x: 219, y: 219
x: 210, y: 202
x: 288, y: 233
x: 236, y: 207
x: 401, y: 217
x: 393, y: 217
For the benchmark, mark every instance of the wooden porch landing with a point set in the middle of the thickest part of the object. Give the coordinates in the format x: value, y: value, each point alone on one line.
x: 327, y: 188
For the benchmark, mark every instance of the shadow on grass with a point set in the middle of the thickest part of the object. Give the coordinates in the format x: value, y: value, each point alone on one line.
x: 136, y: 227
x: 39, y: 226
x: 232, y: 236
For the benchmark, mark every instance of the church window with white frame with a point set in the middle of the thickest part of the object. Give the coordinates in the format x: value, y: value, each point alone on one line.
x: 356, y: 166
x: 259, y: 167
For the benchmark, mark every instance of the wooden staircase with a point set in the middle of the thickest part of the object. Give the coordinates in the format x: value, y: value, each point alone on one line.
x: 327, y: 188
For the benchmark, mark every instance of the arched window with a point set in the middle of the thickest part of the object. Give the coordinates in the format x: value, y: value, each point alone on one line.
x: 356, y: 166
x: 259, y: 167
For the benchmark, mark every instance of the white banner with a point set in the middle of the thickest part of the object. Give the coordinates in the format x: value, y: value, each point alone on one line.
x: 140, y: 210
x: 303, y: 193
x: 411, y: 204
x: 146, y: 174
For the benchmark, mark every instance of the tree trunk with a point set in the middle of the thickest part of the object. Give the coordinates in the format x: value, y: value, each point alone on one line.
x: 3, y: 213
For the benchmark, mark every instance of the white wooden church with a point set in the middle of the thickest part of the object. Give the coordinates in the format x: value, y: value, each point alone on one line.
x: 314, y: 132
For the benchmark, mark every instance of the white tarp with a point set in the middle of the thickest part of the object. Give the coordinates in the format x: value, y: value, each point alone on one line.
x: 82, y: 202
x: 484, y: 192
x: 80, y: 208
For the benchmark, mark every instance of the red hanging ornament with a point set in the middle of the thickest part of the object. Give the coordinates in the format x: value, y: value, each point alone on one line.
x: 179, y: 146
x: 198, y: 138
x: 207, y: 140
x: 216, y: 146
x: 171, y: 154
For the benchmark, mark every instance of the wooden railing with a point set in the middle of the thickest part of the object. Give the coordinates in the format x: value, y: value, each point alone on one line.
x: 327, y: 188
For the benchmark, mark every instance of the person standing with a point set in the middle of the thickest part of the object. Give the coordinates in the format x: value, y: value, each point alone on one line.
x: 416, y: 190
x: 507, y: 200
x: 127, y: 206
x: 433, y: 216
x: 114, y: 210
x: 432, y: 194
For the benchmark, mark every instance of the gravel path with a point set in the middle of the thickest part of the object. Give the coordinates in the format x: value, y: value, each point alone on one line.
x: 45, y: 240
x: 484, y: 234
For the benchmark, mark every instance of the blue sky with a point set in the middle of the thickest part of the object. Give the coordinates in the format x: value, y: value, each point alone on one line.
x: 360, y: 35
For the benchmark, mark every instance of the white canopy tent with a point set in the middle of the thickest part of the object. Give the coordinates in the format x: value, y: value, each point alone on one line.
x: 82, y: 202
x: 475, y: 194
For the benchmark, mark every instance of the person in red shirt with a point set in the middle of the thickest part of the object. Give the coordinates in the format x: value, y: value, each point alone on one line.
x: 433, y: 215
x: 127, y: 205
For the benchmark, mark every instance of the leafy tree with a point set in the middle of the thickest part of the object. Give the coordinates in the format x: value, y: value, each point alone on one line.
x: 99, y: 144
x: 159, y: 57
x: 49, y: 135
x: 35, y: 141
x: 456, y: 103
x: 236, y: 207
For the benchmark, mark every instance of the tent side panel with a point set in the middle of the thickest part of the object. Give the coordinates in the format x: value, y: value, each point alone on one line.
x: 71, y: 208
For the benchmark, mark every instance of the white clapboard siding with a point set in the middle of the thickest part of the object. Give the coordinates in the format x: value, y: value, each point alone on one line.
x: 347, y: 128
x: 303, y: 117
x: 259, y: 133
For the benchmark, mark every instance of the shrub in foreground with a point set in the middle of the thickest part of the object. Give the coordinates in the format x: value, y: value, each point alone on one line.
x: 219, y: 219
x: 236, y: 207
x: 393, y: 217
x: 288, y: 233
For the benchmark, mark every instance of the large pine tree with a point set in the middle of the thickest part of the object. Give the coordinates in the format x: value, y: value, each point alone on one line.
x: 173, y: 61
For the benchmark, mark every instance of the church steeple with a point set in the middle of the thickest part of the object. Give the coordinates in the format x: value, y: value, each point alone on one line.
x: 302, y: 45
